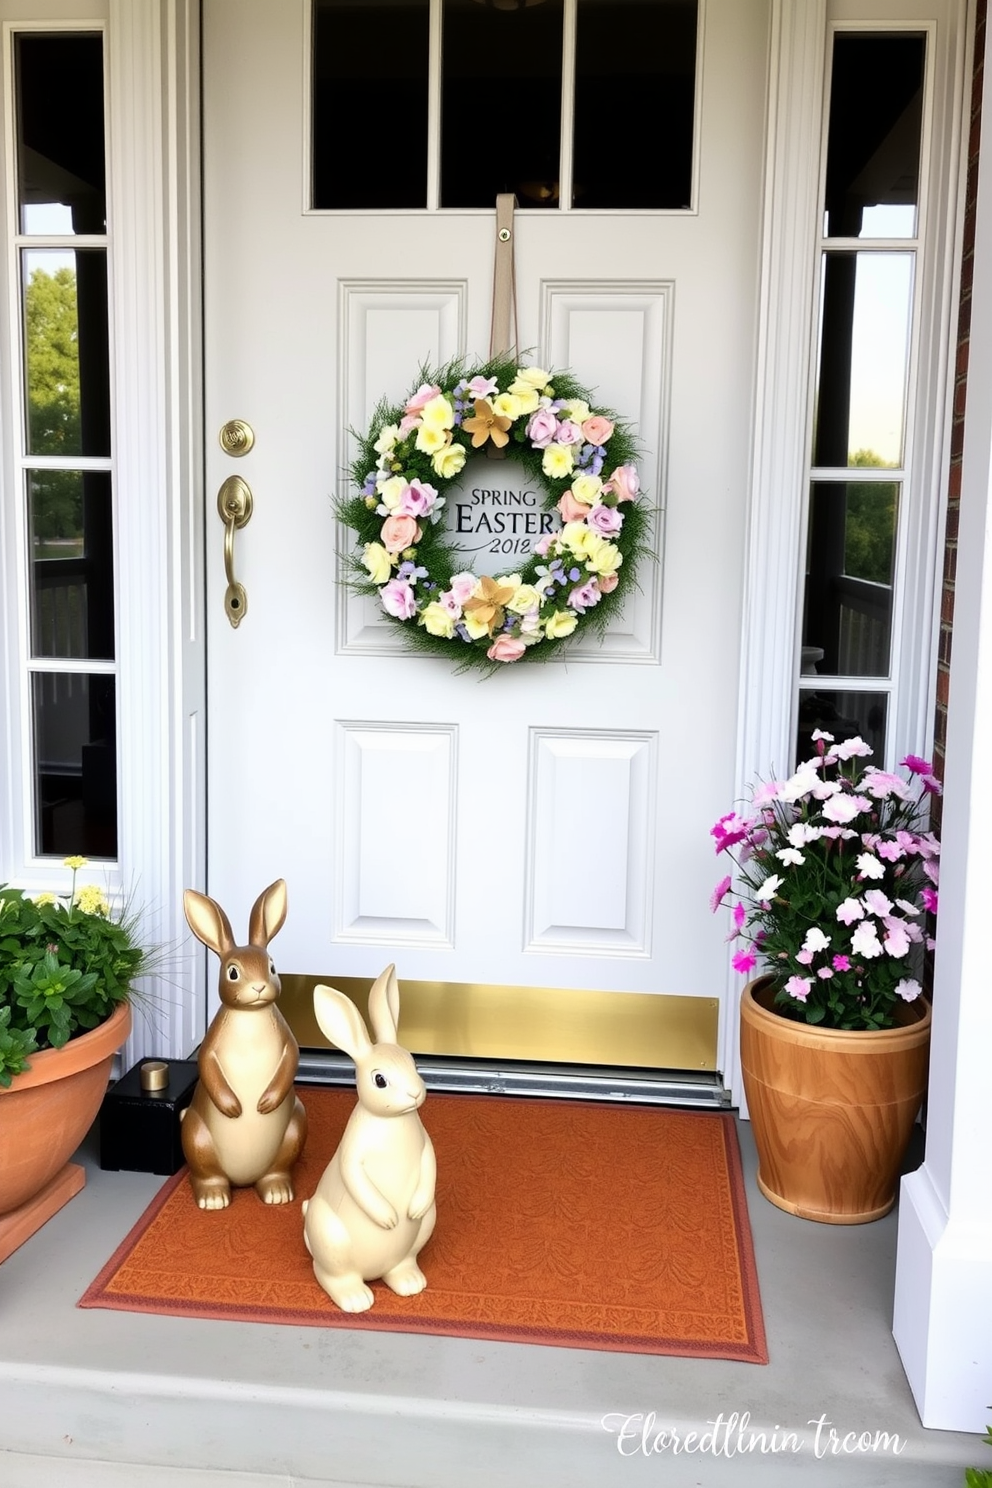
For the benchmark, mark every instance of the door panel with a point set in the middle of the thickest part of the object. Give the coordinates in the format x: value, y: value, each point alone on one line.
x: 546, y: 826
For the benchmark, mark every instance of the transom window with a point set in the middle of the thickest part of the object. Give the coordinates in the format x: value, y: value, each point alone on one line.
x: 448, y: 103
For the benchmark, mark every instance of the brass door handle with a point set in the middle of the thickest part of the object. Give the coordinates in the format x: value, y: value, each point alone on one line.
x: 234, y: 504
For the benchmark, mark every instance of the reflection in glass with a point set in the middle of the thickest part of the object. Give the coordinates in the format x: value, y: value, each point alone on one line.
x: 369, y: 109
x: 865, y: 310
x: 846, y: 715
x: 847, y: 618
x: 873, y: 142
x: 61, y: 176
x: 635, y: 80
x: 501, y: 103
x: 67, y: 360
x: 75, y: 764
x: 71, y: 554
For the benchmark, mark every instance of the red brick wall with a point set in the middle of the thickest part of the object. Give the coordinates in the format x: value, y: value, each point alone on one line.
x: 960, y: 396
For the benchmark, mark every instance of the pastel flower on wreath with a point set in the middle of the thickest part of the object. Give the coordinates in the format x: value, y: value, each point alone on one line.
x: 388, y: 437
x: 535, y: 377
x: 584, y: 596
x: 744, y: 962
x: 398, y: 599
x: 476, y: 628
x: 844, y: 808
x: 604, y: 519
x: 438, y: 620
x: 526, y: 398
x: 799, y: 987
x: 560, y: 623
x: 908, y: 989
x: 869, y: 867
x: 625, y: 483
x: 463, y: 586
x: 570, y: 509
x: 486, y: 605
x: 585, y: 489
x: 487, y: 424
x: 815, y: 939
x: 608, y: 582
x: 606, y: 560
x: 851, y: 749
x: 865, y: 941
x: 92, y: 900
x: 447, y: 462
x: 391, y: 493
x: 895, y: 940
x: 417, y: 499
x: 481, y: 387
x: 530, y: 627
x: 506, y: 648
x: 509, y: 406
x: 576, y: 410
x: 576, y: 538
x: 438, y: 413
x: 408, y: 423
x: 568, y: 433
x: 421, y: 398
x: 542, y: 428
x: 597, y: 428
x: 849, y: 911
x: 877, y: 903
x: 558, y: 461
x: 431, y: 438
x: 376, y: 560
x: 526, y: 598
x: 719, y: 893
x: 399, y: 533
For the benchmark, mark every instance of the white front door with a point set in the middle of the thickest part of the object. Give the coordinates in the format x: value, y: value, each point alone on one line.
x: 547, y: 826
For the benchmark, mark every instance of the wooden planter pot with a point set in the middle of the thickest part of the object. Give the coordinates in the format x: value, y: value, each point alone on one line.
x: 832, y: 1111
x: 44, y: 1115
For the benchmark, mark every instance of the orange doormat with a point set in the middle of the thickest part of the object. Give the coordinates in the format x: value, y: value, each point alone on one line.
x: 574, y: 1224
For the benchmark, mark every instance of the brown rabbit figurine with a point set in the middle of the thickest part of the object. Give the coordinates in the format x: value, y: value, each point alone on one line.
x: 245, y: 1124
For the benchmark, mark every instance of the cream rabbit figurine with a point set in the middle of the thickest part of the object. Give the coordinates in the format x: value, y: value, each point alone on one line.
x: 373, y: 1210
x: 245, y: 1124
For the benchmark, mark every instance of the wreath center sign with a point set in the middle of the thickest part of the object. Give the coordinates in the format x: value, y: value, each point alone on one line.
x: 494, y: 561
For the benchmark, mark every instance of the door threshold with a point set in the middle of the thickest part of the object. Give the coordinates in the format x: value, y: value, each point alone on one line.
x: 654, y: 1087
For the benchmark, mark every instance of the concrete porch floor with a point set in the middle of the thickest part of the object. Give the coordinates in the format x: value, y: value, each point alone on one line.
x: 98, y: 1399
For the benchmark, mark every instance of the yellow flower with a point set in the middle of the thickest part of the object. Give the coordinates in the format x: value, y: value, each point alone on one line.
x: 585, y: 488
x: 476, y: 628
x: 92, y: 900
x: 42, y: 899
x: 377, y: 561
x: 75, y: 862
x: 534, y: 377
x: 438, y: 413
x: 487, y: 424
x: 525, y: 599
x: 509, y: 406
x: 560, y: 624
x: 606, y: 560
x: 525, y: 395
x: 577, y: 410
x: 579, y: 539
x: 448, y: 461
x: 387, y: 439
x: 437, y: 621
x: 431, y: 438
x: 391, y: 491
x: 558, y: 461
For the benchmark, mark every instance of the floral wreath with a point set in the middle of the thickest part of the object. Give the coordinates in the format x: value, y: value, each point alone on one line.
x: 578, y: 573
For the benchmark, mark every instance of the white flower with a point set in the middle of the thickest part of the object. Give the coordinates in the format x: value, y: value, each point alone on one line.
x: 841, y: 808
x: 896, y: 940
x: 819, y: 734
x: 789, y: 855
x: 908, y: 989
x: 387, y: 439
x: 827, y: 788
x: 798, y: 785
x: 870, y: 867
x: 815, y: 940
x: 877, y: 903
x: 769, y: 888
x: 850, y: 911
x: 865, y: 942
x: 907, y: 908
x: 849, y: 748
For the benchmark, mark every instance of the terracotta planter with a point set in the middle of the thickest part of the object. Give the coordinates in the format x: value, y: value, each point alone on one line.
x: 44, y: 1115
x: 832, y: 1111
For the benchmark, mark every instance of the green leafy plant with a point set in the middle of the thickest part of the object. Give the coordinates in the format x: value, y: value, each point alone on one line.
x: 980, y: 1477
x: 66, y: 962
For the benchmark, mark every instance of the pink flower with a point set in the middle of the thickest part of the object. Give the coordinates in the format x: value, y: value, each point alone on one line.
x: 584, y: 596
x: 908, y: 989
x: 717, y: 896
x: 448, y: 602
x: 744, y: 961
x: 804, y: 957
x: 571, y: 510
x: 849, y: 911
x: 417, y: 499
x: 506, y: 648
x: 729, y: 830
x: 608, y: 582
x: 421, y: 398
x: 739, y: 916
x: 916, y: 765
x: 843, y: 808
x: 896, y: 941
x: 799, y: 987
x: 604, y: 519
x: 877, y: 902
x: 850, y: 748
x: 932, y: 870
x: 407, y: 423
x: 482, y: 387
x: 932, y: 785
x: 399, y: 533
x: 398, y: 599
x: 930, y: 899
x: 841, y: 963
x: 825, y: 973
x: 568, y: 433
x: 626, y: 482
x: 881, y: 785
x: 542, y: 428
x: 597, y: 429
x: 463, y: 587
x: 890, y: 851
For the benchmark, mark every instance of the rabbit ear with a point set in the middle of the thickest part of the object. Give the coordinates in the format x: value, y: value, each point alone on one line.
x: 208, y: 922
x: 340, y: 1021
x: 384, y: 1006
x: 268, y: 914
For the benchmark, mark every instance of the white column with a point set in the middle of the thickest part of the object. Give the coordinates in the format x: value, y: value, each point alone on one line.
x: 943, y: 1302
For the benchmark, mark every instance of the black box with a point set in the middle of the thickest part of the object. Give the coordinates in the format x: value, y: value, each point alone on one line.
x: 139, y: 1129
